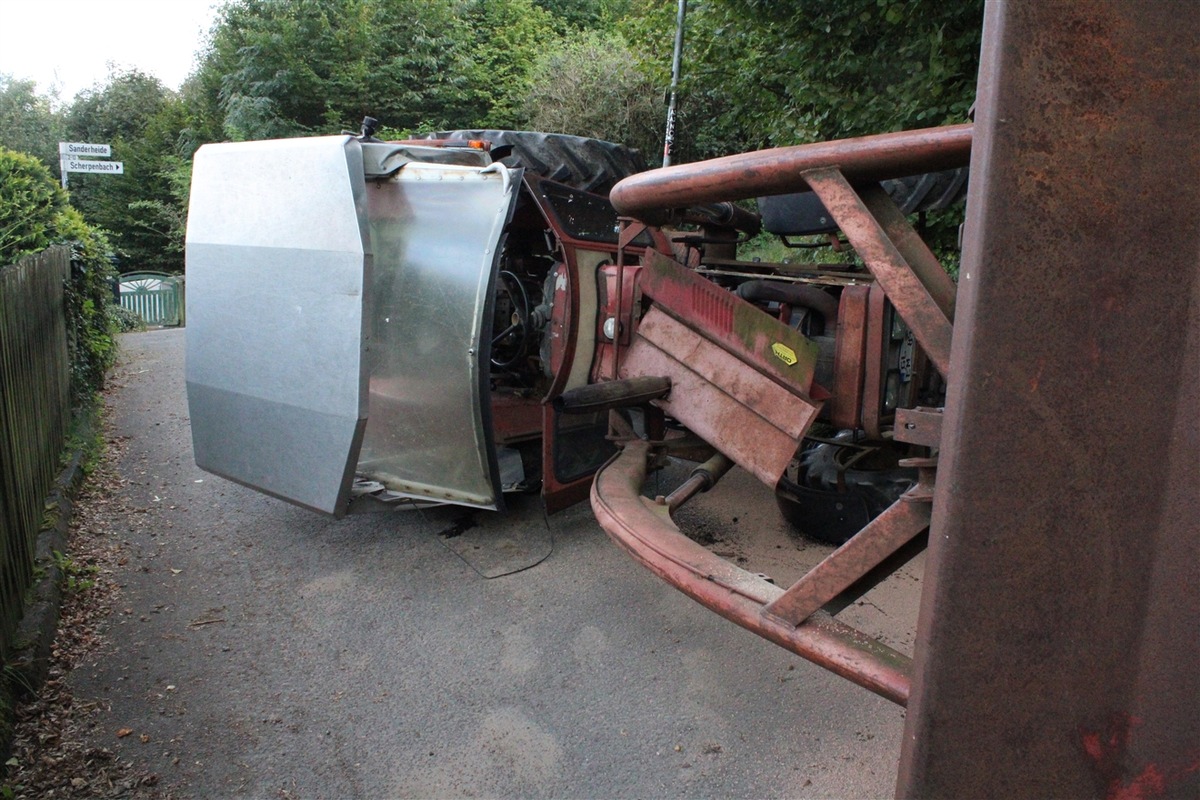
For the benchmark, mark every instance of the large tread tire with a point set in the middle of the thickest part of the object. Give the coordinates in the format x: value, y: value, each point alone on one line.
x: 803, y: 214
x: 932, y: 191
x: 591, y: 165
x: 817, y: 508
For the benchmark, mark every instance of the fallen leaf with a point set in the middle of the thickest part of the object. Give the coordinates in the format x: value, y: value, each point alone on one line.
x: 121, y: 734
x: 145, y: 737
x: 176, y: 571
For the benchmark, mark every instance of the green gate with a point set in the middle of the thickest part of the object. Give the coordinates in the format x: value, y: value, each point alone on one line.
x: 155, y: 296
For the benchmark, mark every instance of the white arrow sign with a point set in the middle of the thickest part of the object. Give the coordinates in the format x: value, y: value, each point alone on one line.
x: 84, y: 149
x: 78, y: 165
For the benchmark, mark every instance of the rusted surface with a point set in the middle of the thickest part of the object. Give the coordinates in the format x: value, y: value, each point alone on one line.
x: 912, y: 248
x: 646, y: 531
x: 736, y: 325
x: 626, y: 310
x: 629, y: 230
x: 921, y: 426
x: 905, y: 286
x: 1059, y: 633
x: 703, y: 478
x: 866, y: 550
x: 778, y: 171
x: 745, y: 414
x: 849, y: 352
x: 874, y: 368
x: 515, y: 418
x: 810, y: 273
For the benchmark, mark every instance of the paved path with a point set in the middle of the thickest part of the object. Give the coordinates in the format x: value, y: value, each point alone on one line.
x: 271, y: 652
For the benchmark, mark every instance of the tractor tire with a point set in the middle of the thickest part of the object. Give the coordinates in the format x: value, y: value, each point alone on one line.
x: 803, y: 214
x: 818, y: 508
x: 591, y: 165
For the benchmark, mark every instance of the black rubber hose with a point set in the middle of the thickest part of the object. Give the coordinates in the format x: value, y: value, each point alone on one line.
x: 793, y: 294
x: 725, y: 215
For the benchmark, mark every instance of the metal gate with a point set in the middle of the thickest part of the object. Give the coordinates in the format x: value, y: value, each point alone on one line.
x: 156, y: 297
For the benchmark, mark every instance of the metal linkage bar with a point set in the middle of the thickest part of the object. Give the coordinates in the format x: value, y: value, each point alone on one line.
x: 912, y: 248
x: 703, y: 478
x: 866, y: 550
x: 921, y: 291
x: 644, y: 528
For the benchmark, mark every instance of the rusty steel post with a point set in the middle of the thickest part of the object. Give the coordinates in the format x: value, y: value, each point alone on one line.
x: 1058, y: 648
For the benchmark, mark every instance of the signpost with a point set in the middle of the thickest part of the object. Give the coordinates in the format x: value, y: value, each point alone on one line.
x: 71, y: 159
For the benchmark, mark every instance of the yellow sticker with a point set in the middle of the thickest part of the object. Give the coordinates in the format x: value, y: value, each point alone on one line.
x: 784, y: 353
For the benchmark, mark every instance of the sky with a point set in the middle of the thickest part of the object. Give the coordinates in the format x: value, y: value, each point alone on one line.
x: 68, y: 44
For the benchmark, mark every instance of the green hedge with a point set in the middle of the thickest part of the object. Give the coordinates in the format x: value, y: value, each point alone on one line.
x: 36, y: 213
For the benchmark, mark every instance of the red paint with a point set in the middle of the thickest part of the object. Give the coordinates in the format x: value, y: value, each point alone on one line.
x: 1108, y: 750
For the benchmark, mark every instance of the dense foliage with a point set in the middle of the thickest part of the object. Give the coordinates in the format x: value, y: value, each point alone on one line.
x: 90, y: 323
x: 591, y: 86
x: 759, y: 73
x: 30, y: 202
x: 143, y: 121
x: 34, y: 214
x: 756, y: 73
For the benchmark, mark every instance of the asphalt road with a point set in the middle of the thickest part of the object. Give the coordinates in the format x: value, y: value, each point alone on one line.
x: 266, y: 651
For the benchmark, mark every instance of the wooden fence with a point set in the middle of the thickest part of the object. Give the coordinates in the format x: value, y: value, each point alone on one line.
x: 34, y: 415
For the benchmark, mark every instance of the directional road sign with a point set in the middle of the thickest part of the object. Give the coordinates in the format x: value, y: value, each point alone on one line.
x: 79, y: 165
x: 76, y: 149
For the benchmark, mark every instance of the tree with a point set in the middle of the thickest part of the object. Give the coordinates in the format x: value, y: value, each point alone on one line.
x: 283, y: 68
x: 591, y: 86
x: 578, y: 15
x: 867, y: 66
x: 28, y: 121
x: 760, y: 74
x: 507, y: 39
x: 143, y: 121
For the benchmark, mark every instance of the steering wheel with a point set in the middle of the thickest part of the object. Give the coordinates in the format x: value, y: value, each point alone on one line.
x: 508, y: 346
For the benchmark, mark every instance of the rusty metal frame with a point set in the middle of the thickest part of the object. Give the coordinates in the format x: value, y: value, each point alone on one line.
x: 1057, y: 642
x: 644, y: 528
x: 867, y: 549
x: 915, y: 282
x: 849, y: 354
x: 874, y: 379
x: 893, y: 251
x: 906, y: 273
x: 867, y: 159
